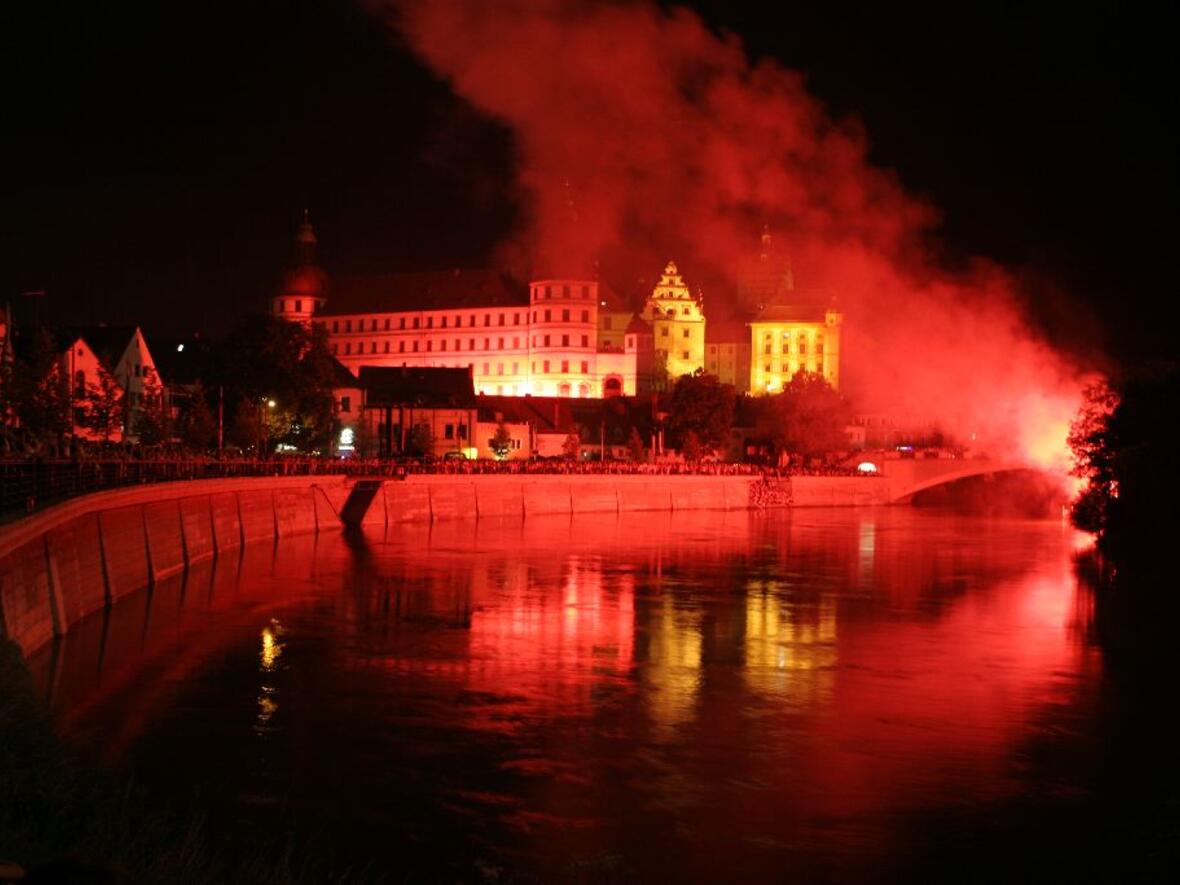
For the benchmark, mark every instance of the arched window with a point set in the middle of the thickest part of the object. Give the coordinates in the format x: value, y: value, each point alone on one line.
x: 563, y: 389
x: 613, y: 386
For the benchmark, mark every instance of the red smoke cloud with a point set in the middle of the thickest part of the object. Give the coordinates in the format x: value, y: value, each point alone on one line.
x: 642, y: 135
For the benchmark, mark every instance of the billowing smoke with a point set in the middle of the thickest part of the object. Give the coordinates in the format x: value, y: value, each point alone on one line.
x: 642, y: 135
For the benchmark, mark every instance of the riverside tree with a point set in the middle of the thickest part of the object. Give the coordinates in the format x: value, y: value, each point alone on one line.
x: 1124, y: 441
x: 808, y: 416
x: 702, y: 406
x: 266, y: 358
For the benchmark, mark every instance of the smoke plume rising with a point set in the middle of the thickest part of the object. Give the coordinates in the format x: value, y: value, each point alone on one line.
x: 641, y: 135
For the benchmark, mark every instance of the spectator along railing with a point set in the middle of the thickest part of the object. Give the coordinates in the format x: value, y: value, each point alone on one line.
x: 28, y: 485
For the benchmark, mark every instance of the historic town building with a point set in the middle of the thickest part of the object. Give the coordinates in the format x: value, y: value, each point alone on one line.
x: 560, y: 337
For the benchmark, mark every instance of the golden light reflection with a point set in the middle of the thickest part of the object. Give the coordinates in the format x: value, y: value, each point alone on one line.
x: 272, y: 649
x: 674, y: 669
x: 789, y: 648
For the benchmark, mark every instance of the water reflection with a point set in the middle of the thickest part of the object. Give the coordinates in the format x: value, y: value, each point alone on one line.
x: 714, y: 695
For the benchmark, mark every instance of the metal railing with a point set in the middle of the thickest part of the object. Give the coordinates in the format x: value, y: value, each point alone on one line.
x: 29, y: 485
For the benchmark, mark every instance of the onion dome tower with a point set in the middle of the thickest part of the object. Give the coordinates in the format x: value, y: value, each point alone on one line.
x: 305, y: 286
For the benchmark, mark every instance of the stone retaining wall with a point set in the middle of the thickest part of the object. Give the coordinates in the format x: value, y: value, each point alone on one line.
x: 65, y: 563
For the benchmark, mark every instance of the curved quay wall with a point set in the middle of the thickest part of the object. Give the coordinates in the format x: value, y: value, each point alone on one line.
x: 71, y: 560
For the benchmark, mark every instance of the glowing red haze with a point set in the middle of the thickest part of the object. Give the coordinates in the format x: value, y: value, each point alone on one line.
x: 643, y: 135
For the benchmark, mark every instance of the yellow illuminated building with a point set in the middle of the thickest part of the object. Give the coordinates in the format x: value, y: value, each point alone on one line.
x: 785, y: 340
x: 678, y: 324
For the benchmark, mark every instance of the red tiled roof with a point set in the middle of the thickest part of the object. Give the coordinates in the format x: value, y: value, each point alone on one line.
x: 440, y: 290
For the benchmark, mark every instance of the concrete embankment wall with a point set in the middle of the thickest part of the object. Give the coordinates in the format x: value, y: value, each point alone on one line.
x: 64, y: 563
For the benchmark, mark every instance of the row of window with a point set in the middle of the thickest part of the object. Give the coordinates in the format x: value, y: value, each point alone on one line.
x: 358, y: 348
x: 411, y: 323
x: 768, y: 347
x: 566, y: 291
x: 687, y: 333
x: 298, y: 306
x: 416, y: 323
x: 770, y: 368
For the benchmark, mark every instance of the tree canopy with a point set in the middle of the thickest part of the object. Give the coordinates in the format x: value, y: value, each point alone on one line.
x: 808, y: 416
x: 702, y: 406
x: 1123, y: 441
x: 266, y: 358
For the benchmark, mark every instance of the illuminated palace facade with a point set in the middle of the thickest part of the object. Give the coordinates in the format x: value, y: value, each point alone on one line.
x: 563, y: 337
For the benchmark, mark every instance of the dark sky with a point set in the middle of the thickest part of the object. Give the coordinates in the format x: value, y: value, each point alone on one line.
x: 158, y: 154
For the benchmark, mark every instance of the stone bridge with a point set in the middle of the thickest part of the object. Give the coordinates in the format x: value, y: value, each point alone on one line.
x: 906, y: 477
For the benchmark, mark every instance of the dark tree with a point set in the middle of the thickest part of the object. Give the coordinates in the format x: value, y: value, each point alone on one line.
x: 105, y: 408
x: 37, y: 394
x: 1124, y: 441
x: 501, y: 442
x: 153, y: 419
x: 195, y: 425
x: 268, y: 359
x: 701, y: 405
x: 421, y: 441
x: 808, y: 417
x: 635, y: 446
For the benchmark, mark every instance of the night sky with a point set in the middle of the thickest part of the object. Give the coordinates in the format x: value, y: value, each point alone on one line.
x: 156, y: 163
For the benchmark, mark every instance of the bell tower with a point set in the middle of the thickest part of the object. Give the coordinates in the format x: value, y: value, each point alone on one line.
x: 304, y: 291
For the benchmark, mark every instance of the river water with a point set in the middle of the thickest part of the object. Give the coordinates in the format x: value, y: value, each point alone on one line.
x: 820, y: 695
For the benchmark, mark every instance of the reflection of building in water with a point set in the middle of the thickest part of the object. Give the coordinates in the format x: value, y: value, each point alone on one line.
x: 790, y: 648
x: 673, y: 665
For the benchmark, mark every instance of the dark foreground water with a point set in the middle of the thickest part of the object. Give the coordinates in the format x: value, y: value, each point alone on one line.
x: 843, y: 695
